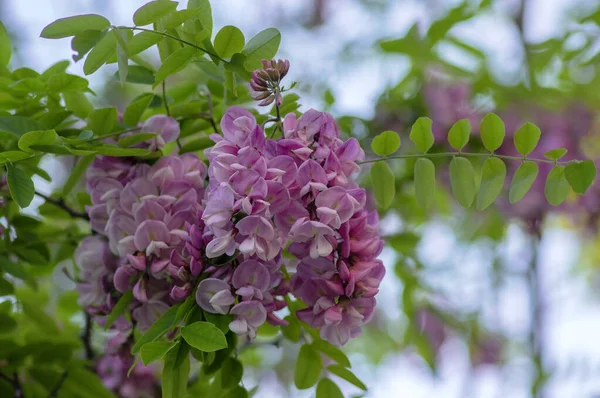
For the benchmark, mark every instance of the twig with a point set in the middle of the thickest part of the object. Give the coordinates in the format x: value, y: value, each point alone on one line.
x: 536, y: 310
x: 210, y: 111
x: 15, y: 383
x: 86, y: 337
x: 61, y: 203
x: 54, y: 392
x: 466, y: 154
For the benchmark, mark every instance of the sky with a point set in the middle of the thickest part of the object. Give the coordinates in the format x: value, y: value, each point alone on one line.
x: 572, y: 312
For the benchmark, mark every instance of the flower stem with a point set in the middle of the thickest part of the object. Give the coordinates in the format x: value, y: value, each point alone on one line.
x: 465, y: 154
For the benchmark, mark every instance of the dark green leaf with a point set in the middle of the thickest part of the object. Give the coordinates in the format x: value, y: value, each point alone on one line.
x: 231, y: 373
x: 384, y: 184
x: 308, y: 367
x: 7, y: 323
x: 526, y: 138
x: 5, y: 46
x: 155, y: 350
x: 135, y: 139
x: 425, y: 182
x: 493, y: 174
x: 36, y: 313
x: 103, y: 120
x: 153, y: 11
x: 197, y: 145
x: 421, y: 134
x: 13, y: 156
x: 78, y: 103
x: 42, y: 137
x: 138, y: 74
x: 557, y: 187
x: 143, y: 41
x: 18, y: 125
x: 174, y: 63
x: 262, y: 46
x: 580, y: 175
x: 6, y: 287
x: 122, y: 56
x: 175, y: 373
x: 118, y: 152
x: 77, y: 174
x: 332, y: 352
x: 386, y: 143
x: 522, y: 181
x: 84, y: 41
x: 328, y: 389
x: 555, y: 154
x: 204, y: 336
x: 347, y: 375
x: 229, y: 40
x: 71, y: 26
x: 158, y: 329
x: 492, y: 132
x: 20, y: 186
x: 100, y: 54
x: 237, y: 392
x: 458, y: 136
x: 135, y: 110
x: 119, y: 309
x: 462, y: 180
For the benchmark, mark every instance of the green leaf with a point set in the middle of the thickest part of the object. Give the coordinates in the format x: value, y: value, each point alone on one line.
x: 42, y: 137
x: 138, y: 74
x: 527, y: 138
x: 458, y: 136
x: 231, y: 373
x: 20, y: 186
x: 78, y: 103
x: 237, y: 392
x: 262, y: 46
x: 122, y: 56
x: 135, y: 110
x: 175, y: 373
x: 103, y: 120
x: 174, y: 63
x: 158, y: 329
x: 84, y: 41
x: 100, y: 54
x: 153, y: 11
x: 557, y: 187
x: 204, y: 336
x: 197, y: 145
x: 384, y: 184
x: 332, y: 352
x: 119, y: 152
x: 5, y: 46
x: 119, y: 308
x: 462, y: 180
x: 347, y: 375
x: 229, y: 40
x: 77, y: 174
x: 35, y: 312
x: 522, y: 181
x: 203, y: 24
x: 177, y: 18
x: 62, y: 82
x: 6, y: 288
x: 492, y: 132
x: 308, y: 367
x: 135, y: 139
x: 421, y: 134
x: 580, y: 175
x: 13, y: 156
x: 425, y: 182
x: 71, y: 26
x: 386, y: 143
x: 328, y: 389
x: 142, y: 41
x: 18, y: 125
x: 493, y: 174
x: 155, y: 350
x: 555, y: 154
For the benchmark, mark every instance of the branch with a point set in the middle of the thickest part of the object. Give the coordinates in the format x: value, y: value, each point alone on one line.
x: 15, y: 383
x: 54, y: 392
x: 86, y: 337
x: 210, y: 111
x: 61, y: 203
x: 465, y: 154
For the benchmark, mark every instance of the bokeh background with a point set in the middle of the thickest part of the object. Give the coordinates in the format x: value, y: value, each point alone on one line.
x: 495, y: 304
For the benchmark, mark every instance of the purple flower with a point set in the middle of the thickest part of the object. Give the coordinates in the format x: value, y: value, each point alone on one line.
x: 214, y: 296
x: 166, y: 128
x: 250, y: 315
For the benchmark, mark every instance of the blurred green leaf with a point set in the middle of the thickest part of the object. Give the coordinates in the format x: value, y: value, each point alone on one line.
x: 580, y: 175
x: 527, y: 138
x: 347, y: 375
x: 84, y: 41
x: 142, y: 41
x: 119, y: 309
x: 135, y: 139
x: 119, y: 152
x: 77, y: 174
x: 462, y: 180
x: 138, y: 74
x: 425, y: 182
x: 492, y: 132
x: 384, y: 186
x: 493, y: 174
x: 78, y: 103
x: 71, y: 26
x: 153, y: 11
x: 421, y: 134
x: 20, y: 186
x: 308, y: 367
x: 174, y: 63
x: 5, y: 46
x: 135, y: 110
x: 175, y: 373
x: 328, y: 389
x: 158, y: 329
x: 18, y: 125
x: 458, y: 136
x: 231, y: 373
x: 103, y: 120
x: 555, y: 154
x: 332, y: 352
x: 62, y: 82
x: 557, y: 187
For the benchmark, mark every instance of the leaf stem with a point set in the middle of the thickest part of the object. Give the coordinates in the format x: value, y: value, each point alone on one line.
x: 465, y: 154
x: 58, y: 385
x: 61, y: 203
x: 174, y: 38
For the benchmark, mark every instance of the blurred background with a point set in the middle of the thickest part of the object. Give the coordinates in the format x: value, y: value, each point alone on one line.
x: 494, y: 304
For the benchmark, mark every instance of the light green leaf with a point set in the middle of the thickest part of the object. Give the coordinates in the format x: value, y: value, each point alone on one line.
x: 425, y: 182
x: 328, y: 389
x: 175, y: 373
x: 138, y: 74
x: 308, y: 367
x: 100, y: 54
x: 134, y: 139
x: 231, y: 373
x: 78, y: 103
x: 384, y: 184
x: 155, y: 350
x: 143, y: 41
x: 71, y: 26
x: 135, y: 110
x: 555, y: 154
x: 522, y: 181
x: 492, y: 132
x: 158, y: 329
x: 41, y: 137
x: 386, y: 143
x: 202, y: 26
x: 229, y: 40
x: 62, y: 82
x: 493, y: 174
x: 204, y: 336
x: 580, y: 175
x: 122, y: 56
x: 527, y: 138
x: 347, y: 375
x: 177, y: 18
x: 119, y: 308
x: 332, y: 352
x: 13, y: 156
x: 118, y: 152
x: 174, y: 63
x: 77, y: 174
x: 103, y: 120
x: 5, y: 46
x: 557, y: 187
x: 84, y: 41
x: 459, y: 133
x: 262, y: 46
x: 20, y: 186
x: 462, y: 180
x: 421, y: 134
x: 153, y: 11
x: 18, y: 125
